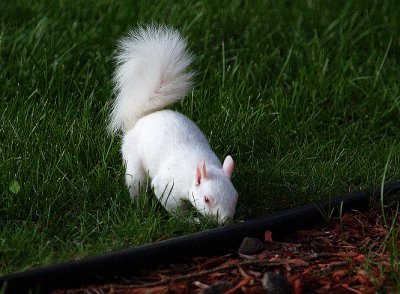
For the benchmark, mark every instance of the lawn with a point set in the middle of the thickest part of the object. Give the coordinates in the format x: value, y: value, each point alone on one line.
x: 305, y: 95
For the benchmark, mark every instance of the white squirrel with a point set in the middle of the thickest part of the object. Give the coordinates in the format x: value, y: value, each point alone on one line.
x: 152, y: 73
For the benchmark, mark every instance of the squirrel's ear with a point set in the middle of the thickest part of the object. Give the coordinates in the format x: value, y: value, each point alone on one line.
x: 228, y: 166
x: 201, y: 172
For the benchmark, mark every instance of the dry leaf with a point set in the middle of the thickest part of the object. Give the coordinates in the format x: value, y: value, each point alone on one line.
x: 268, y: 236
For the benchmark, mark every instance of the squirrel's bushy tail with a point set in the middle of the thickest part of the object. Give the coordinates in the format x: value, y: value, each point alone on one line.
x: 151, y: 73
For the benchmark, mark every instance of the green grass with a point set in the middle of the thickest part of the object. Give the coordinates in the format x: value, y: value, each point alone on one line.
x: 304, y: 94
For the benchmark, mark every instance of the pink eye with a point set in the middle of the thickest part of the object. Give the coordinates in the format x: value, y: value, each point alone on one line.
x: 206, y: 200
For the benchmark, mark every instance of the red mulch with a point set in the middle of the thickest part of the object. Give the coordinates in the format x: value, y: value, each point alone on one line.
x: 349, y: 255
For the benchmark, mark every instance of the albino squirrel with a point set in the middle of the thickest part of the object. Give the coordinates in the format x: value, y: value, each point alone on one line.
x: 152, y: 73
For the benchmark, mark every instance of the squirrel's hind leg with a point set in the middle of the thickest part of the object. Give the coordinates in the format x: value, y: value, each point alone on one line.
x: 135, y: 176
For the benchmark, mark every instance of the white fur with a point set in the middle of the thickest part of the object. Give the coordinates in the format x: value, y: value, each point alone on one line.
x: 151, y: 74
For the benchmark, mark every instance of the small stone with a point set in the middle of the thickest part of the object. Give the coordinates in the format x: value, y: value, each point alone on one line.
x: 275, y: 283
x: 217, y: 288
x: 251, y: 246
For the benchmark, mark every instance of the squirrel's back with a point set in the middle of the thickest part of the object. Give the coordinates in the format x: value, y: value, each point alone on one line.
x: 151, y: 73
x: 170, y: 128
x: 168, y: 136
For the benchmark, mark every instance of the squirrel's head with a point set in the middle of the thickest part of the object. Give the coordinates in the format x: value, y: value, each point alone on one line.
x: 213, y: 193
